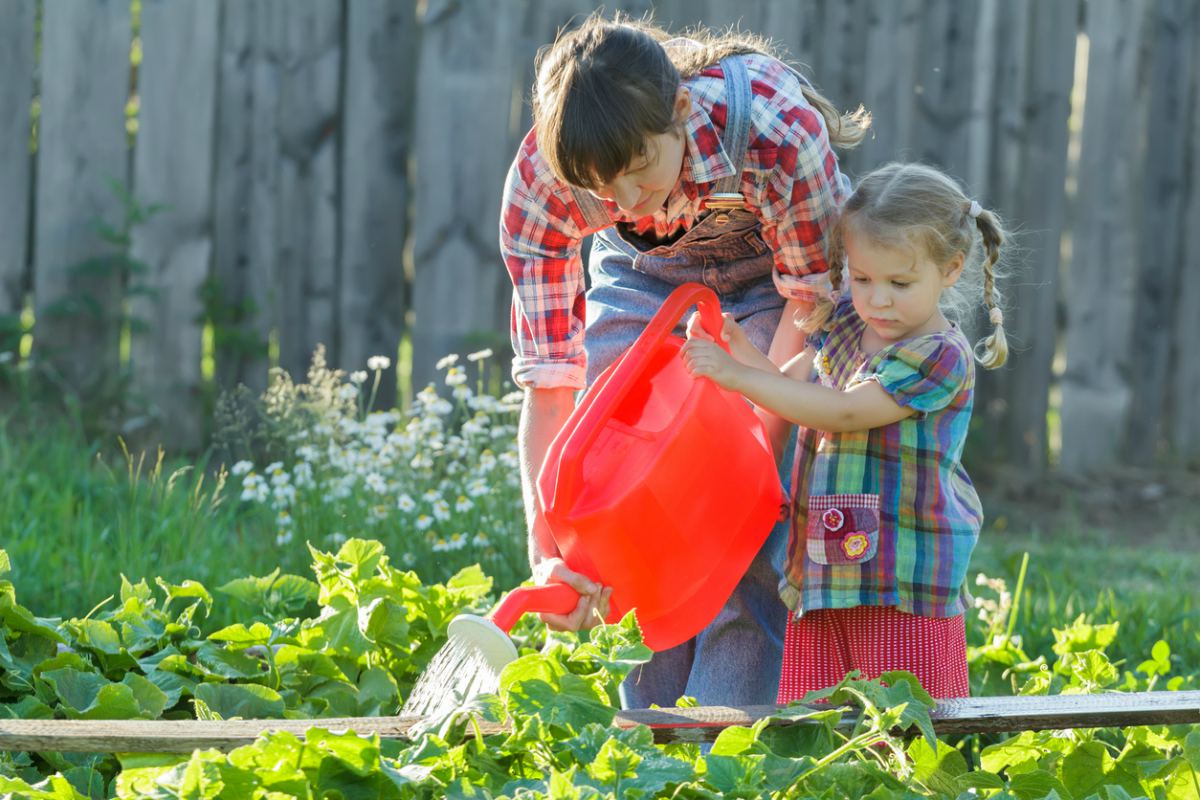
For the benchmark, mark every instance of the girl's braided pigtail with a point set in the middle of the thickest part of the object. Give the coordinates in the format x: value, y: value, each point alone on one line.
x: 994, y: 347
x: 821, y: 316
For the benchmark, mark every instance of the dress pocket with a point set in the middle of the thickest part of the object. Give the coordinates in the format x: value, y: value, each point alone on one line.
x: 842, y: 528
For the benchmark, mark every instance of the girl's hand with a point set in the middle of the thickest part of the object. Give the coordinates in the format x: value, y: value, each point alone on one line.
x: 706, y: 359
x: 731, y: 333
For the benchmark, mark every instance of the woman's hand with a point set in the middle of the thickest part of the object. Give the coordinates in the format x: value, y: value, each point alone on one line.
x: 593, y: 598
x: 706, y: 359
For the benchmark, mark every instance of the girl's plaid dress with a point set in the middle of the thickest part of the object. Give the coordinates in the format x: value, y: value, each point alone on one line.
x: 887, y: 516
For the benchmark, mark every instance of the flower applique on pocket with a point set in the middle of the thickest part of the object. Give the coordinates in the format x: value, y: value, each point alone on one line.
x: 842, y: 528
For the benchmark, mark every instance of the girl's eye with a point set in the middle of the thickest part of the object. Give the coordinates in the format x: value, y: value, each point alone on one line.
x: 900, y: 284
x: 860, y: 281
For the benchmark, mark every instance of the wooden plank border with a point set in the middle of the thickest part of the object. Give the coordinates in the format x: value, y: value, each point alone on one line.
x: 969, y: 715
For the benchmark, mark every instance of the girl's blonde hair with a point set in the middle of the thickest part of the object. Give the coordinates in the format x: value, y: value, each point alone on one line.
x: 916, y: 206
x: 604, y: 88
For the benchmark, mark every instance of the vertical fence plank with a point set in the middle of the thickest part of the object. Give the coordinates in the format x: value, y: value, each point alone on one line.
x: 945, y: 98
x: 889, y: 82
x: 1028, y: 186
x: 1185, y: 367
x: 1161, y: 225
x: 173, y: 166
x: 790, y: 25
x: 82, y: 149
x: 468, y: 67
x: 276, y: 184
x: 380, y: 86
x: 307, y: 79
x: 1096, y: 391
x: 240, y: 311
x: 16, y: 94
x: 839, y: 61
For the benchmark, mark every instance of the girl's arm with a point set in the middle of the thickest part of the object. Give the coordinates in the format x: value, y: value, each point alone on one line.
x: 789, y: 395
x: 785, y: 344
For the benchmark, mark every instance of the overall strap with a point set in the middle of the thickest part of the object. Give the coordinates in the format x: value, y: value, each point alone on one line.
x: 736, y: 138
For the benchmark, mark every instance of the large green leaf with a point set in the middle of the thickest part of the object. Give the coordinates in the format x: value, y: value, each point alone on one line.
x: 87, y: 695
x: 55, y: 788
x: 1085, y: 767
x: 240, y: 636
x: 229, y: 664
x: 245, y: 700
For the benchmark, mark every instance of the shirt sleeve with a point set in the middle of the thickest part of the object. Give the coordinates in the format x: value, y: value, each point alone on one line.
x: 799, y: 204
x: 925, y: 374
x: 540, y: 240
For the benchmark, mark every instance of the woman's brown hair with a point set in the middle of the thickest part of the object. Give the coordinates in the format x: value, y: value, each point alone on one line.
x: 606, y: 87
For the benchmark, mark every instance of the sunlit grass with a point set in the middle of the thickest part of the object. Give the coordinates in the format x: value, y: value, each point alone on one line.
x: 436, y: 484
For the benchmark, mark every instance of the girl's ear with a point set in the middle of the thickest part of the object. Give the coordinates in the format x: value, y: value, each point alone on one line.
x: 953, y: 270
x: 683, y: 104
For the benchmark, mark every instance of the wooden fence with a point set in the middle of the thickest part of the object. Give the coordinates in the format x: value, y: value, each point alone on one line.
x: 331, y: 171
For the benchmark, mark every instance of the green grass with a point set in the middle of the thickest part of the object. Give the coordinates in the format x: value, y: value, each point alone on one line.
x: 76, y: 516
x: 1078, y: 570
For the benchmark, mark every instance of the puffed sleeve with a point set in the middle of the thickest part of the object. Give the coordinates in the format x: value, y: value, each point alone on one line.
x: 926, y: 373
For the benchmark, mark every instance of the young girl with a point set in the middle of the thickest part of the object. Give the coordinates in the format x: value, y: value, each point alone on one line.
x: 885, y: 517
x: 702, y: 159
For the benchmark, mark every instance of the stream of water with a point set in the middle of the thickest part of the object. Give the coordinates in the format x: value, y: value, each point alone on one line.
x: 454, y: 675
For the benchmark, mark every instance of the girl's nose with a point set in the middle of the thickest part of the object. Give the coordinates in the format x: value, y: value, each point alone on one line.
x: 880, y: 297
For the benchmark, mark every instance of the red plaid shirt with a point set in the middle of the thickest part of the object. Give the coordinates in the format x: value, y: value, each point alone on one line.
x: 790, y: 178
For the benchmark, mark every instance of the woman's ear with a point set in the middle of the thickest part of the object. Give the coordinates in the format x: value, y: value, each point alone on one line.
x: 953, y: 270
x: 683, y: 104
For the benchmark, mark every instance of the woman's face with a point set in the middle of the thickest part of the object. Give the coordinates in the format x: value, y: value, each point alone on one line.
x: 643, y: 187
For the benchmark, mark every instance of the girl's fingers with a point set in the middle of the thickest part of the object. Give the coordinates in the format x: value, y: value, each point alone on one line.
x: 695, y: 331
x: 728, y: 325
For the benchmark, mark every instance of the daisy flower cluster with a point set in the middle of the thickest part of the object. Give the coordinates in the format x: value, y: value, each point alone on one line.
x: 438, y: 483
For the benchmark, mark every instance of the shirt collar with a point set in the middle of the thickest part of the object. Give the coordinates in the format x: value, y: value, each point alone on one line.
x: 706, y: 158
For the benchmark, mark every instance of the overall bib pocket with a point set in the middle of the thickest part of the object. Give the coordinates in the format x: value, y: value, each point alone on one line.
x: 842, y: 529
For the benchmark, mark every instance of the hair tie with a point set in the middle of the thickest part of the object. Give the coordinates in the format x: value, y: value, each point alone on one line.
x: 996, y: 316
x: 973, y: 210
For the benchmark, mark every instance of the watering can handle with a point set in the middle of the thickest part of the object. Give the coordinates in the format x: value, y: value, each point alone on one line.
x: 551, y: 598
x: 634, y: 362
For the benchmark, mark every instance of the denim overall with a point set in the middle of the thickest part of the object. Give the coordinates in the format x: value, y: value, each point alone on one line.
x: 736, y: 659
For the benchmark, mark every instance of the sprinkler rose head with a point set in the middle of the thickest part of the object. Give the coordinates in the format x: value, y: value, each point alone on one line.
x: 485, y: 637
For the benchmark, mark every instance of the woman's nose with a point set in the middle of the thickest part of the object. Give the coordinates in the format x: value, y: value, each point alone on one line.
x: 623, y: 194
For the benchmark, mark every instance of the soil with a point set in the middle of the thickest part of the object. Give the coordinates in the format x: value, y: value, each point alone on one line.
x: 1133, y: 505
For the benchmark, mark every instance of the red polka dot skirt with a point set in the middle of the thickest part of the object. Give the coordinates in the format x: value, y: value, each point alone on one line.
x: 823, y: 645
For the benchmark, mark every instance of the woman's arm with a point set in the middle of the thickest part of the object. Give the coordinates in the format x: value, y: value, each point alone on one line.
x: 787, y: 344
x: 792, y: 398
x: 543, y: 414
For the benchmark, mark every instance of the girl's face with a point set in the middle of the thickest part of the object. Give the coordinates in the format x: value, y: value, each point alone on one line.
x: 643, y: 187
x: 896, y: 289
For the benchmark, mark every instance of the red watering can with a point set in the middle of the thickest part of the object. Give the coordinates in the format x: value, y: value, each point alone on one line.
x: 660, y: 485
